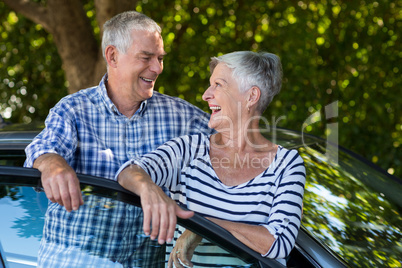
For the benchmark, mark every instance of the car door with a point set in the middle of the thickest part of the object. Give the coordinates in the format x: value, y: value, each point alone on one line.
x: 23, y: 207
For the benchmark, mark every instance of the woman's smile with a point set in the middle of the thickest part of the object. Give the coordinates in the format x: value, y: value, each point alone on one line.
x: 215, y: 109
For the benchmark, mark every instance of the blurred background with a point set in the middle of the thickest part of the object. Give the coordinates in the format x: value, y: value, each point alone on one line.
x: 346, y: 53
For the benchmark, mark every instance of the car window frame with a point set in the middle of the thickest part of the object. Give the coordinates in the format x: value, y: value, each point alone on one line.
x: 30, y: 177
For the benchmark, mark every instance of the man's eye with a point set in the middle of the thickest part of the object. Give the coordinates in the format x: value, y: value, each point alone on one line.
x: 146, y: 58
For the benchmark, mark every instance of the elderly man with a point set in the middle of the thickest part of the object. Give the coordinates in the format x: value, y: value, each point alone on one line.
x: 95, y: 131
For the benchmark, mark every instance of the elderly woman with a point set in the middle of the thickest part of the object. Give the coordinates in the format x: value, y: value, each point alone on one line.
x: 237, y: 178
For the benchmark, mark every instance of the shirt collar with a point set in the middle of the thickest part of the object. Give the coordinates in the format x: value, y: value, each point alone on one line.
x: 108, y: 102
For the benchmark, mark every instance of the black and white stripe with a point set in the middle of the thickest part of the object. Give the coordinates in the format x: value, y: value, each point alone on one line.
x: 272, y: 199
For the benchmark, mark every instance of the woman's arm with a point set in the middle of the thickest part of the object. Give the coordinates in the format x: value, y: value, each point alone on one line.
x: 159, y: 209
x: 256, y: 237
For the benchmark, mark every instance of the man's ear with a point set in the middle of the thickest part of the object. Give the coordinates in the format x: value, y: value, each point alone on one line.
x: 111, y: 54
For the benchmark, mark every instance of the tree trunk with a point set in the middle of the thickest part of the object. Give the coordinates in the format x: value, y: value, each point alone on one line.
x: 73, y: 34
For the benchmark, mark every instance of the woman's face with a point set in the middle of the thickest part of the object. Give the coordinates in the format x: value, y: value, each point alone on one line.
x: 228, y: 105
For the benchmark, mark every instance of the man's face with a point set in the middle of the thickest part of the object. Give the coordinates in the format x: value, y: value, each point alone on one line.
x: 139, y: 67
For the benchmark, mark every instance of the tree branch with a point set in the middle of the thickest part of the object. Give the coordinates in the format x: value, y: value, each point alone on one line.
x: 106, y: 9
x: 33, y: 11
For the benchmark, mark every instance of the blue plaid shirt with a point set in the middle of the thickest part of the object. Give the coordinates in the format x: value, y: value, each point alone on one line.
x: 88, y: 131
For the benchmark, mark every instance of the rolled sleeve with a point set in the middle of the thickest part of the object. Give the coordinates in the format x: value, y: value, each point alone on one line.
x: 58, y: 137
x: 130, y: 162
x: 285, y: 217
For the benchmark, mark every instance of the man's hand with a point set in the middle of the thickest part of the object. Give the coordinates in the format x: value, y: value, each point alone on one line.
x: 59, y: 181
x: 160, y: 211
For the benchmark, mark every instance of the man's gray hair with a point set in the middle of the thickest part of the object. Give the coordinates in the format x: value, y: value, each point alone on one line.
x: 118, y: 30
x: 263, y: 70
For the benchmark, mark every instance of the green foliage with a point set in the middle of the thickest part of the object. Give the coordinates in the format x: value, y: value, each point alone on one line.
x: 31, y: 79
x: 344, y: 207
x: 331, y: 50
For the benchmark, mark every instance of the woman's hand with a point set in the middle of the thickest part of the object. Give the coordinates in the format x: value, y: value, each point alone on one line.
x: 159, y: 210
x: 183, y: 252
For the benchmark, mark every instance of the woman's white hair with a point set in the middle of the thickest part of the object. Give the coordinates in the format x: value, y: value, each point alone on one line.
x: 118, y: 30
x: 263, y: 70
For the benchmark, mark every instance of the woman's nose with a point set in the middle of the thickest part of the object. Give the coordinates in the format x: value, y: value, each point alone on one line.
x: 208, y: 94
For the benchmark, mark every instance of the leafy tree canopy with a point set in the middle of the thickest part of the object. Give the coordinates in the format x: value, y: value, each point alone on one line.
x: 332, y: 51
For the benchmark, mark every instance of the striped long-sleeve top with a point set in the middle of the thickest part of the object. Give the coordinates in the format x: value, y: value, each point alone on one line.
x: 272, y: 199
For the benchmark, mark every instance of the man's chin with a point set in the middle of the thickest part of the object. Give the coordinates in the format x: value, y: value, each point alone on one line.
x: 149, y: 95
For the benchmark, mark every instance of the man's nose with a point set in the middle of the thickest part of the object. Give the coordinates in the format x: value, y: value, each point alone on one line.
x: 156, y: 66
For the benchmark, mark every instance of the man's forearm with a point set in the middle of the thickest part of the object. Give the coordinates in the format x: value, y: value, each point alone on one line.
x: 59, y: 181
x: 46, y: 160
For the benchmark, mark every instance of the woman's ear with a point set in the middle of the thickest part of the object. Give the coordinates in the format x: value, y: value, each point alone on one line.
x: 111, y: 55
x: 254, y: 96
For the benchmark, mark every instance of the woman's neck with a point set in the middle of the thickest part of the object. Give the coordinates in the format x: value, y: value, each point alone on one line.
x: 242, y: 140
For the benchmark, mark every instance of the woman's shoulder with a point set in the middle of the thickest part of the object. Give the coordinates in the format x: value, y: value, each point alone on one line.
x: 288, y: 156
x: 285, y: 152
x: 195, y: 141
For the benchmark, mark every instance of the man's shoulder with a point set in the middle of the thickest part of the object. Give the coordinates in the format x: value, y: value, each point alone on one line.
x: 170, y: 102
x: 157, y: 96
x: 198, y: 137
x: 78, y: 101
x: 82, y: 95
x: 180, y: 114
